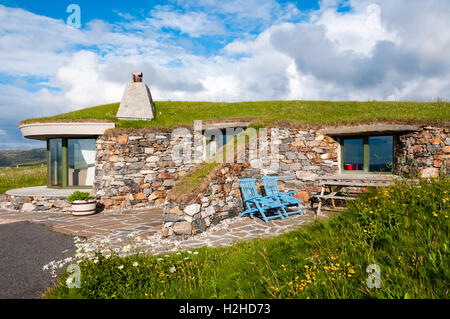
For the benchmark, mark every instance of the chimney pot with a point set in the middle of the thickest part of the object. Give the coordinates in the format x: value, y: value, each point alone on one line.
x: 137, y: 76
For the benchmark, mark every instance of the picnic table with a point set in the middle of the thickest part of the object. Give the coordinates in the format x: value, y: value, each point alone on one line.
x: 337, y: 184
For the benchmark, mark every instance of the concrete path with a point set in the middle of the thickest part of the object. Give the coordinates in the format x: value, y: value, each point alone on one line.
x: 24, y: 249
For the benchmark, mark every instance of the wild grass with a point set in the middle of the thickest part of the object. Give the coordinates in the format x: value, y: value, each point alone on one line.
x: 22, y: 177
x: 403, y: 229
x: 173, y: 113
x: 193, y: 179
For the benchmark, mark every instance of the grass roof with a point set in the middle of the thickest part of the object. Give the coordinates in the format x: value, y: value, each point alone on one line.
x: 177, y: 113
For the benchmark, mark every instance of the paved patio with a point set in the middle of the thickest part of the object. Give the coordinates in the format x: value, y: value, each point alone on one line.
x: 121, y: 229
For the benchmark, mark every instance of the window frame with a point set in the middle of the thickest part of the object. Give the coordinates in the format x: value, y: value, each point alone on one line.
x: 366, y: 154
x: 64, y: 163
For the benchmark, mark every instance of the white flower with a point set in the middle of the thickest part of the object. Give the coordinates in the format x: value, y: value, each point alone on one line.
x: 69, y: 281
x: 132, y: 234
x: 126, y: 248
x: 135, y: 264
x: 120, y: 267
x: 173, y: 269
x: 195, y: 252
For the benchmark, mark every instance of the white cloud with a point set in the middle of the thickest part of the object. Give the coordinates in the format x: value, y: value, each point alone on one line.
x: 356, y: 31
x: 194, y: 24
x: 379, y: 50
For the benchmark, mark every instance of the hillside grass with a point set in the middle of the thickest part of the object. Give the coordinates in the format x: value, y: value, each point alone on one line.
x: 22, y: 177
x: 31, y: 157
x: 173, y: 113
x: 403, y: 229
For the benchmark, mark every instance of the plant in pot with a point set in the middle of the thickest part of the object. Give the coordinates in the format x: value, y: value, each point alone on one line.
x: 83, y: 203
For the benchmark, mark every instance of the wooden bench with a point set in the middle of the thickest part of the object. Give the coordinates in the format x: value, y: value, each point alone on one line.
x: 341, y: 182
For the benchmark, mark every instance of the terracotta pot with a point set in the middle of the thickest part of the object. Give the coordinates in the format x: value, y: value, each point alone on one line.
x: 84, y: 207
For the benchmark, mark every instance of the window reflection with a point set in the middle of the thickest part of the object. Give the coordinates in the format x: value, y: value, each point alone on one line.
x: 381, y: 154
x: 81, y: 162
x: 55, y: 165
x: 353, y: 154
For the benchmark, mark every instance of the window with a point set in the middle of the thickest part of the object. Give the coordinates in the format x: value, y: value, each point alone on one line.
x: 71, y: 162
x: 368, y: 154
x: 353, y: 154
x: 215, y: 139
x: 81, y: 161
x: 381, y: 153
x: 55, y: 162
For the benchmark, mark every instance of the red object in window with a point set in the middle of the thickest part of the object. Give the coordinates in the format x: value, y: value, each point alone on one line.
x: 348, y: 167
x: 356, y: 167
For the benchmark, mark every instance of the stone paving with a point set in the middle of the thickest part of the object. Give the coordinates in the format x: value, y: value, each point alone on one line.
x: 121, y: 230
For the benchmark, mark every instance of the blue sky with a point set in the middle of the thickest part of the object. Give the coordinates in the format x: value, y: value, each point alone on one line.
x: 218, y: 51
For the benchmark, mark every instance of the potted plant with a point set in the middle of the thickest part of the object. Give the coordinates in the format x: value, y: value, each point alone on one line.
x: 83, y: 203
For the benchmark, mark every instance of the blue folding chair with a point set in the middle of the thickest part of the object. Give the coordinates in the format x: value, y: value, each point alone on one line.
x: 255, y: 203
x: 286, y: 199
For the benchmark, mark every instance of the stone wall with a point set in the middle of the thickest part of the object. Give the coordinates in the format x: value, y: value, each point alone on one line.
x: 424, y: 153
x: 303, y: 156
x: 37, y: 204
x: 135, y: 170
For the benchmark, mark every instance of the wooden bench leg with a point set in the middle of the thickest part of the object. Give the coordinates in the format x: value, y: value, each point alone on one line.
x: 320, y: 201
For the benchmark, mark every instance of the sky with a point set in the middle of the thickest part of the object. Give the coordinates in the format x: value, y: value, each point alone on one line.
x: 208, y: 50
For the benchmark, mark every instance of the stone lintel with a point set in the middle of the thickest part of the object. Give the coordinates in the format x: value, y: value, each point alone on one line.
x: 370, y: 129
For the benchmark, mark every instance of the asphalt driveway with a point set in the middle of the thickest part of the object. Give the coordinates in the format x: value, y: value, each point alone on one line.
x: 24, y: 249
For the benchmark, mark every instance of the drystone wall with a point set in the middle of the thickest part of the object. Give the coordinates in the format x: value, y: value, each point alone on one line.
x: 136, y: 170
x: 300, y: 158
x: 424, y: 153
x: 36, y: 204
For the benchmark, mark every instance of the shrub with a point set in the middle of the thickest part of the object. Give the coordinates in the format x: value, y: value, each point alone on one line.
x: 77, y: 195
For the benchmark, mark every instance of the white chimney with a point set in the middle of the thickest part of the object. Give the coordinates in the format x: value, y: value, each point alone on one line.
x: 137, y: 103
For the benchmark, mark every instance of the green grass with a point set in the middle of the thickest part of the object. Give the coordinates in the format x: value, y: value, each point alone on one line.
x: 402, y: 229
x: 22, y: 177
x: 193, y: 179
x: 312, y: 112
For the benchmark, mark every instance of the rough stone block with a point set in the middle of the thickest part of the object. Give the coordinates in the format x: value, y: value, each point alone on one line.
x: 182, y: 228
x: 192, y: 209
x: 429, y: 172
